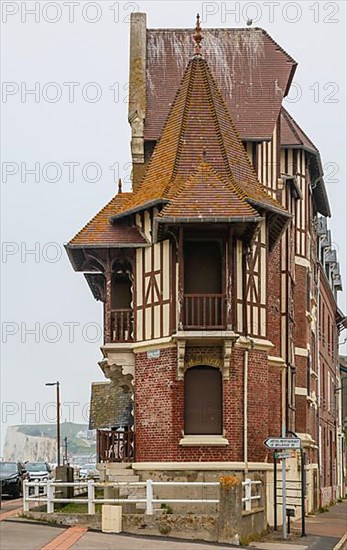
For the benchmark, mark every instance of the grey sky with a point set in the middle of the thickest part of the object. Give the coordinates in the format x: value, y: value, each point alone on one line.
x: 40, y: 290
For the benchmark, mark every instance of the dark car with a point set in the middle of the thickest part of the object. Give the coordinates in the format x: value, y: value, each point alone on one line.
x: 12, y: 475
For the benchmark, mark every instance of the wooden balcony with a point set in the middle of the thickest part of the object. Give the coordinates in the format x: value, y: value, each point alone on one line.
x: 204, y: 311
x: 122, y: 325
x: 115, y: 446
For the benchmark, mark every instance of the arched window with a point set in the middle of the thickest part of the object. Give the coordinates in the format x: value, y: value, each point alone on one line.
x: 203, y: 401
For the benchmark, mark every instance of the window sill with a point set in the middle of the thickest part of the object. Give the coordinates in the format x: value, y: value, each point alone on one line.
x: 200, y: 440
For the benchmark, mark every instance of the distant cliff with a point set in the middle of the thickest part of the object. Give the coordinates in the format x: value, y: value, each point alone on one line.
x: 38, y: 442
x: 22, y: 447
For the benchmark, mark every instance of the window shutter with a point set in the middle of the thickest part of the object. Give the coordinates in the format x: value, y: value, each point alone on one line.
x: 203, y: 401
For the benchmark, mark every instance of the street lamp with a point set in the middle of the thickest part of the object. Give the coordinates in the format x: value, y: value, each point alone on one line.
x: 58, y: 417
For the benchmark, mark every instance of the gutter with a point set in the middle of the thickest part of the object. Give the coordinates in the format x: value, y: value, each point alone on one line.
x: 137, y: 209
x: 209, y: 219
x: 266, y: 206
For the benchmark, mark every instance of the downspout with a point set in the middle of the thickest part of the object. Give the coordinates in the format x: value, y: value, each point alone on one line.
x: 245, y: 366
x: 245, y: 409
x: 319, y: 385
x: 249, y: 343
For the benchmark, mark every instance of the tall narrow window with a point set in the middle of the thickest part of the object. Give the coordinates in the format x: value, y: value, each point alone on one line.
x: 203, y: 401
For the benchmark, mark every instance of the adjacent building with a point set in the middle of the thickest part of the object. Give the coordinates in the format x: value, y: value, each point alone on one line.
x: 216, y: 271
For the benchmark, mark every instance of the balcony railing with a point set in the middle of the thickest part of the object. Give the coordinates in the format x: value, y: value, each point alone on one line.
x: 122, y: 325
x: 115, y: 446
x: 204, y: 311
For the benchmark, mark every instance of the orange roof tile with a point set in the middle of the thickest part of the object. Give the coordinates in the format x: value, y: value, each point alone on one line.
x: 206, y: 196
x: 198, y: 121
x: 100, y: 232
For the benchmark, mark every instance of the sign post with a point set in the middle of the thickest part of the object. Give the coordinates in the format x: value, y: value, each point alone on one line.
x: 283, y: 443
x: 284, y: 498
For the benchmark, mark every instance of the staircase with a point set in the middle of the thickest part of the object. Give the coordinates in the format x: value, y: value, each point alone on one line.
x: 116, y: 472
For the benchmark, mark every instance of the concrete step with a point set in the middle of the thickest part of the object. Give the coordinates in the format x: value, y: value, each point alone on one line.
x: 133, y: 492
x: 119, y: 472
x: 114, y: 466
x: 115, y: 478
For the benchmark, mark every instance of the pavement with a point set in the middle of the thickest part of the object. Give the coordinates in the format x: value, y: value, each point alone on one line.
x: 324, y: 533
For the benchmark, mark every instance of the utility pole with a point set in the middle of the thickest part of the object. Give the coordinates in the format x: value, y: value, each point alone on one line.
x: 57, y: 384
x: 65, y: 451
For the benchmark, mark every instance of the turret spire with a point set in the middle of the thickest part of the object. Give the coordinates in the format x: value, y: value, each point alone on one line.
x: 198, y: 36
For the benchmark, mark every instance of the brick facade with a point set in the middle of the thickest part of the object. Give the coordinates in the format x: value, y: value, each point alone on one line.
x: 159, y: 408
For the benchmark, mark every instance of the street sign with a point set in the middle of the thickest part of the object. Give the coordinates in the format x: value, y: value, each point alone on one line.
x: 274, y: 443
x: 285, y: 454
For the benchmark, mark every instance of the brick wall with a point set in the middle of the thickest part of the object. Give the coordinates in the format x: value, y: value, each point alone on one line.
x: 159, y: 408
x: 327, y: 343
x: 274, y: 300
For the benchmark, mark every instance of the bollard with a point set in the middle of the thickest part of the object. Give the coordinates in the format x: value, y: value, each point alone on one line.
x: 91, y: 496
x: 149, y: 497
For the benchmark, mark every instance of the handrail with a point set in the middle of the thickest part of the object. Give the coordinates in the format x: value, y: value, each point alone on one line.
x: 204, y: 311
x: 122, y: 325
x: 149, y: 499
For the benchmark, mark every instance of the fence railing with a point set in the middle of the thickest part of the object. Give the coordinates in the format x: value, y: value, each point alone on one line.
x: 88, y: 487
x: 115, y: 446
x: 204, y: 311
x: 248, y: 497
x: 122, y: 325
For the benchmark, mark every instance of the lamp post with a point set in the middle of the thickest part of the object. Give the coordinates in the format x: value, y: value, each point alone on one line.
x: 57, y: 384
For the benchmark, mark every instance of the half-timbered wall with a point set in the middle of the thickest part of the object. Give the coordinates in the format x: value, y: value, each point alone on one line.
x: 153, y: 282
x: 264, y: 157
x: 255, y: 292
x: 293, y: 163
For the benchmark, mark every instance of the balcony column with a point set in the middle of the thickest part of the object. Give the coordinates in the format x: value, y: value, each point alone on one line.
x: 180, y: 279
x: 230, y: 298
x: 107, y: 316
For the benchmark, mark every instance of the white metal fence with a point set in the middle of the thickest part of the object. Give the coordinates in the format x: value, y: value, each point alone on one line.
x: 248, y: 497
x: 51, y: 488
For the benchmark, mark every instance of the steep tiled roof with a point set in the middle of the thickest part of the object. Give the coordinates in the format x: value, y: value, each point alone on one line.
x: 207, y: 196
x: 292, y: 135
x: 252, y: 72
x: 198, y: 124
x: 110, y: 406
x: 100, y: 232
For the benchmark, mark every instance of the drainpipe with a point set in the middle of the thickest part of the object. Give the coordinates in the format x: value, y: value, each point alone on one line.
x: 250, y: 344
x: 245, y: 409
x: 318, y: 387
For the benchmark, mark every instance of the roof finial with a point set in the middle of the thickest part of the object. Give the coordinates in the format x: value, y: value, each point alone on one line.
x: 198, y: 36
x: 120, y: 185
x: 204, y: 154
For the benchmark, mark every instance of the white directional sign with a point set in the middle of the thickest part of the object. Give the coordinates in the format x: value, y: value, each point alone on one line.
x: 274, y: 443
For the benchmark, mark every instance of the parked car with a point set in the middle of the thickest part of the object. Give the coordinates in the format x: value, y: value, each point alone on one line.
x: 12, y: 475
x: 38, y: 471
x: 89, y: 471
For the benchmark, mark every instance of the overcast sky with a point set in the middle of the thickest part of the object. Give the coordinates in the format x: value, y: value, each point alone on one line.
x: 73, y: 133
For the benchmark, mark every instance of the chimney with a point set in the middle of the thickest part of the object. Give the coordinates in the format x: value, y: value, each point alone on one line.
x: 137, y: 93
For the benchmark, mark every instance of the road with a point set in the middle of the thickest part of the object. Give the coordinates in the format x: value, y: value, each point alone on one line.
x: 16, y: 535
x: 324, y: 531
x: 22, y: 535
